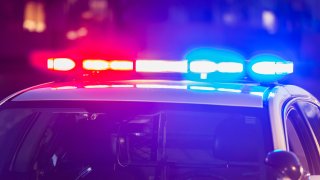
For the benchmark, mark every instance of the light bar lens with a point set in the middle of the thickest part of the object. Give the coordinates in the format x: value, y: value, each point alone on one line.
x: 273, y: 68
x: 161, y: 66
x: 121, y: 65
x: 203, y: 66
x: 95, y: 65
x: 230, y: 67
x: 212, y: 64
x: 269, y: 68
x: 222, y: 71
x: 61, y: 64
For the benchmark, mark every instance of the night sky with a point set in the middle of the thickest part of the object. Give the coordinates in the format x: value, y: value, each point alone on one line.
x: 159, y: 30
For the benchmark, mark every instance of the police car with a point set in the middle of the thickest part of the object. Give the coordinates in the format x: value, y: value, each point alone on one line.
x: 192, y: 119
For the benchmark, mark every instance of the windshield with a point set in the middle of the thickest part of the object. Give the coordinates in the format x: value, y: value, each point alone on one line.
x: 132, y: 141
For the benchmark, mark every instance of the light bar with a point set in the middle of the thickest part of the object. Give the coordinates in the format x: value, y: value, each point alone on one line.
x: 95, y: 64
x: 121, y: 65
x: 161, y: 66
x: 273, y: 68
x: 210, y: 65
x: 61, y: 64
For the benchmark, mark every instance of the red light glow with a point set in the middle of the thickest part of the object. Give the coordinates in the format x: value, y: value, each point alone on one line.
x: 121, y: 65
x: 97, y: 65
x: 96, y: 86
x: 122, y: 86
x: 64, y: 88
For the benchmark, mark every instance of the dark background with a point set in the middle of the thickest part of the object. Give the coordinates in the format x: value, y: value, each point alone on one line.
x: 31, y: 31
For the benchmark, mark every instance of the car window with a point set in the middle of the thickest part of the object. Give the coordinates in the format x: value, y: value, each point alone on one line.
x: 300, y: 140
x: 294, y: 141
x: 141, y: 141
x: 312, y: 113
x: 11, y: 129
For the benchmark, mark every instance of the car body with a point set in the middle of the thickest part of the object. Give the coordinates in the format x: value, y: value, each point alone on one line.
x: 159, y: 129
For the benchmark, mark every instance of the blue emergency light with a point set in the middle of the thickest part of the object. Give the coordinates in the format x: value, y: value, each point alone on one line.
x: 268, y: 68
x: 215, y: 65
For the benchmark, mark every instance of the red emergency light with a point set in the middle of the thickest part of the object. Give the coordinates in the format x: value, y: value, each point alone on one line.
x: 95, y: 65
x: 61, y: 64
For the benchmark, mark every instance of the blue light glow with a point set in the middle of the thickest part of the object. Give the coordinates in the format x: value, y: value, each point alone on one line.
x: 257, y: 93
x: 203, y: 88
x: 230, y: 67
x: 213, y: 54
x: 215, y: 65
x: 232, y: 88
x: 272, y: 68
x: 229, y: 90
x: 203, y: 66
x: 268, y: 68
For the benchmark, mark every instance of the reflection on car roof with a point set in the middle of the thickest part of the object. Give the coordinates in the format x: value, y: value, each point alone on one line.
x: 227, y: 94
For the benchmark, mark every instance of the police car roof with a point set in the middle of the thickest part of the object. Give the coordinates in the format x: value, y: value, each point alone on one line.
x: 226, y: 94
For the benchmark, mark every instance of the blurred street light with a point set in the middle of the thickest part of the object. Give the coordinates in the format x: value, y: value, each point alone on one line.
x: 269, y: 21
x: 75, y: 34
x: 34, y: 17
